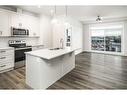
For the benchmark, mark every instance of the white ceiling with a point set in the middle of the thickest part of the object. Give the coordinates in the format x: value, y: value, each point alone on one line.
x: 82, y: 13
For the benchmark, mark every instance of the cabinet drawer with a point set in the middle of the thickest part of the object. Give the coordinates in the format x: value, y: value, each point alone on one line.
x: 6, y: 52
x: 6, y: 66
x: 11, y: 60
x: 8, y: 58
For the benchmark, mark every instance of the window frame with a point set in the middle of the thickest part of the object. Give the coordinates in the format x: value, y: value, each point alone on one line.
x: 108, y: 24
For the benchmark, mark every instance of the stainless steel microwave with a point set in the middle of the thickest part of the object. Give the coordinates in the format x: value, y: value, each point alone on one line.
x: 19, y: 32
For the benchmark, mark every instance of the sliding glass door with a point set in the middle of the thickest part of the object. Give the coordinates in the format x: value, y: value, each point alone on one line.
x: 97, y: 40
x: 113, y: 40
x: 106, y: 38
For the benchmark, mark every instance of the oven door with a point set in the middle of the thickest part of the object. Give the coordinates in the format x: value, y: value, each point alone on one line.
x: 20, y: 57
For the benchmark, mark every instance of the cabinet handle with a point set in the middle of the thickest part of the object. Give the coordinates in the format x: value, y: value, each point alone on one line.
x: 2, y: 51
x: 2, y: 57
x: 0, y: 32
x: 3, y: 66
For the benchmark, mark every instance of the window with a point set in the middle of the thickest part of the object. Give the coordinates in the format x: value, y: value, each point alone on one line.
x: 106, y: 37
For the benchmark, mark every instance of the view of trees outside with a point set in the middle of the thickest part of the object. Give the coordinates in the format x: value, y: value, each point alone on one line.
x: 106, y: 39
x: 113, y: 43
x: 97, y: 43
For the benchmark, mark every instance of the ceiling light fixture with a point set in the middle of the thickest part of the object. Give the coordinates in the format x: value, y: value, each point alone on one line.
x: 99, y: 19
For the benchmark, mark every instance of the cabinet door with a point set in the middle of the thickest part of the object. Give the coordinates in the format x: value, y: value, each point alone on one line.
x: 33, y: 25
x: 27, y: 22
x: 4, y: 24
x: 23, y: 20
x: 68, y: 63
x: 15, y: 20
x: 19, y: 20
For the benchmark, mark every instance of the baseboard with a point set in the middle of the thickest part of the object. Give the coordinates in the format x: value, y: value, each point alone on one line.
x: 78, y: 51
x: 6, y: 70
x: 124, y: 55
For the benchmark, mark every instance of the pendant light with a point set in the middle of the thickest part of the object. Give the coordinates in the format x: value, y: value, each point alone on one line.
x: 54, y: 20
x: 99, y: 19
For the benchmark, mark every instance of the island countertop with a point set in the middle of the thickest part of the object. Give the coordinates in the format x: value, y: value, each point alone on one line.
x: 49, y: 54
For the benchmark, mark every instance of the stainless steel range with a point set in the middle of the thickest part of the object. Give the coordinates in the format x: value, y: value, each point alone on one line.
x: 20, y: 49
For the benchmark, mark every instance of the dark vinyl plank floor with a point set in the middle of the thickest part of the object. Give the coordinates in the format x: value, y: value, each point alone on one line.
x: 92, y: 71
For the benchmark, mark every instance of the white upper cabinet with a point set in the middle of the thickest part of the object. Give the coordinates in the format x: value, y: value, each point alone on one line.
x: 10, y: 19
x: 4, y: 23
x: 15, y: 20
x: 33, y: 24
x: 18, y: 20
x: 27, y: 22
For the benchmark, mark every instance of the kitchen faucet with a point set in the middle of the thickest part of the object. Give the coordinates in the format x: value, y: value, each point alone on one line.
x: 61, y: 43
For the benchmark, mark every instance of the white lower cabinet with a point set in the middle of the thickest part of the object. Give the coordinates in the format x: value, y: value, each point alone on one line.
x: 68, y: 64
x: 42, y: 73
x: 6, y: 59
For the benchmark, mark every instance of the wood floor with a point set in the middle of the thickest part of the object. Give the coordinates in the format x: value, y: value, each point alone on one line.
x: 93, y: 71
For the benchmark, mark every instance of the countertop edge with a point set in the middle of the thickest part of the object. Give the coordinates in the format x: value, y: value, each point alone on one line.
x: 6, y: 48
x: 36, y: 45
x: 50, y: 57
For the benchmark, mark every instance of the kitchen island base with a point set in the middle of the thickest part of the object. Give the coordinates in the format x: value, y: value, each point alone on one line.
x: 42, y: 73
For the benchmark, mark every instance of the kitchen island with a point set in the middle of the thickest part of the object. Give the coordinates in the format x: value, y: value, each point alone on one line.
x: 44, y: 67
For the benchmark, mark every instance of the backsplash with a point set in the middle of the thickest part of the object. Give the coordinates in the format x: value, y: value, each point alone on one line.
x: 29, y: 41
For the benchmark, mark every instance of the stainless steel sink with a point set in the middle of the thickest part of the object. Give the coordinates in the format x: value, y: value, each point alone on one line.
x: 55, y: 49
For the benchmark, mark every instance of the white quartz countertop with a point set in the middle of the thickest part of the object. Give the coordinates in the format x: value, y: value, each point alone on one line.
x: 36, y: 45
x: 50, y: 54
x: 1, y: 48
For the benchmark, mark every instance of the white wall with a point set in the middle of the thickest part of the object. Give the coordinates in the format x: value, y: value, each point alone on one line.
x: 87, y: 39
x: 125, y: 38
x: 77, y: 32
x: 58, y: 29
x: 77, y: 35
x: 45, y: 31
